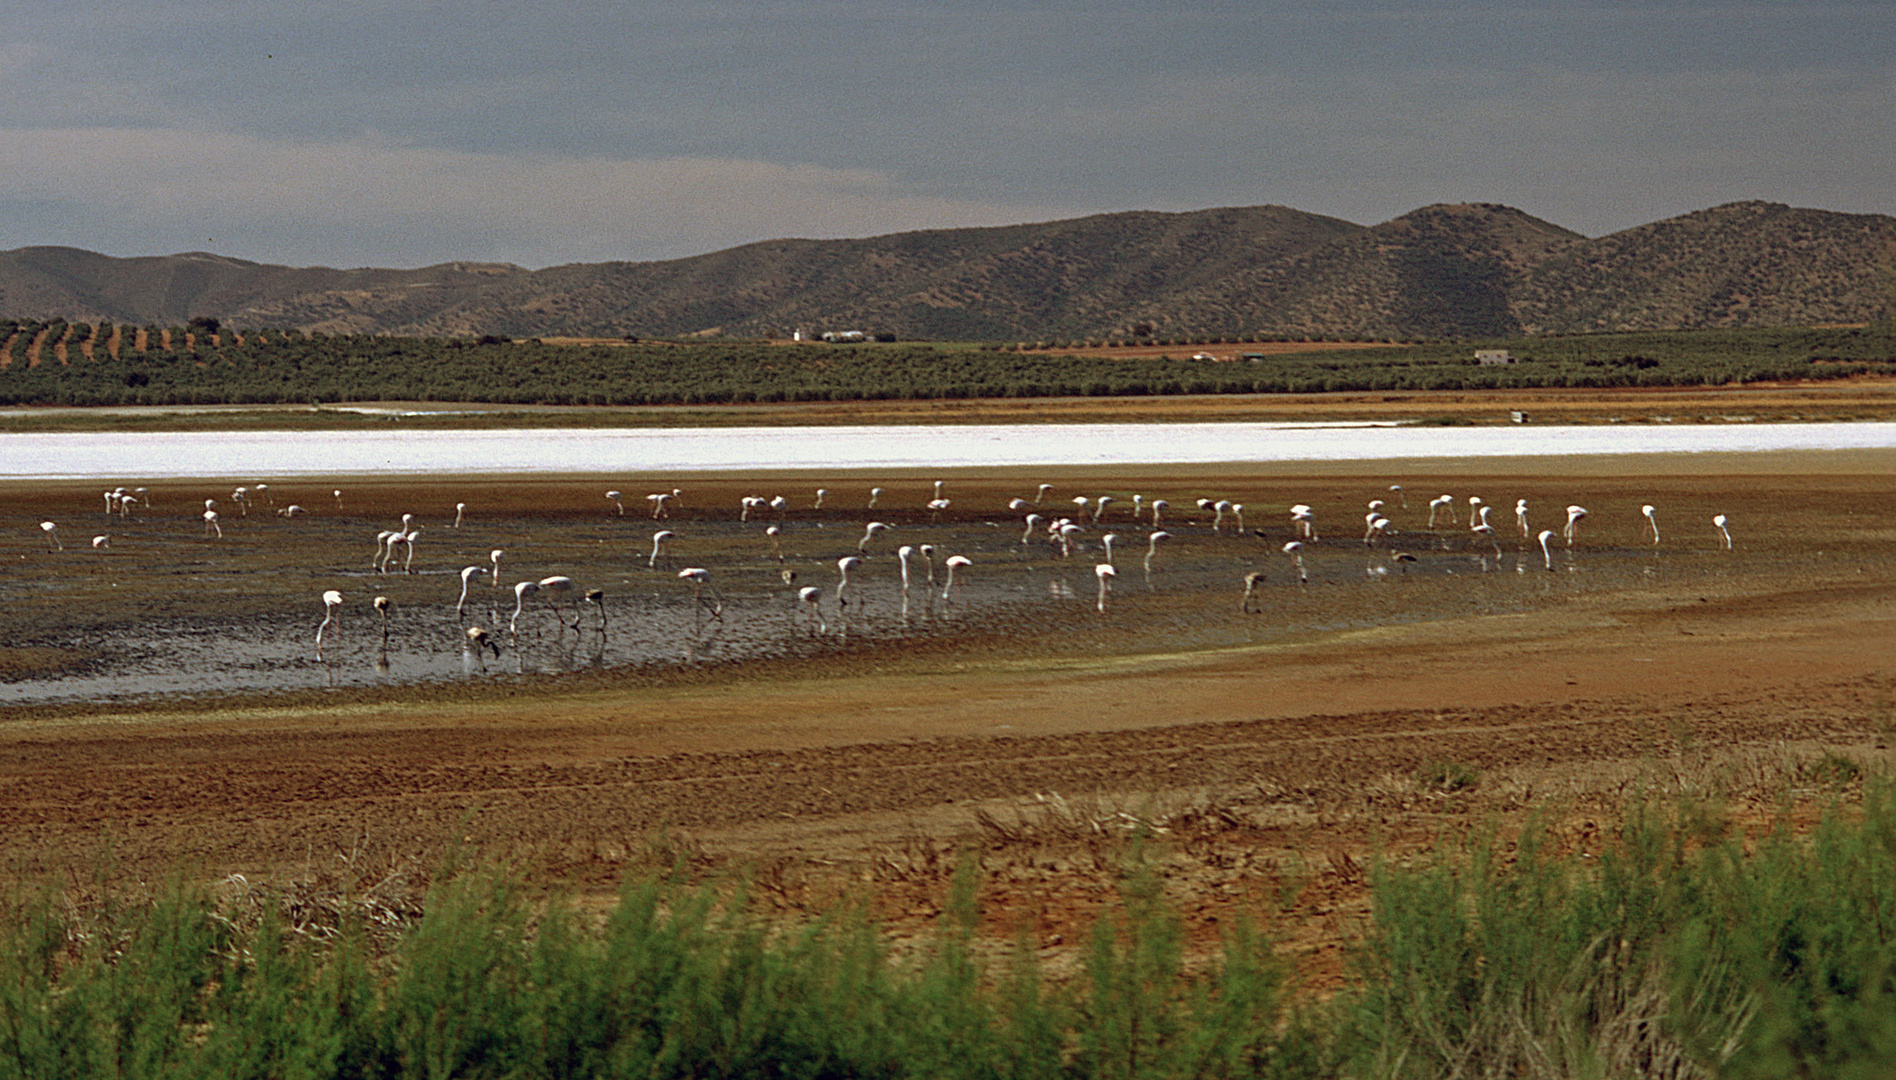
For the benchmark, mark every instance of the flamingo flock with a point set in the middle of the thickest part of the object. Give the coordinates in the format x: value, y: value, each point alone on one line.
x: 871, y: 578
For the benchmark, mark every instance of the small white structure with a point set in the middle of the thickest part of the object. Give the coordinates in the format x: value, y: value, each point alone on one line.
x: 1485, y: 357
x: 845, y: 335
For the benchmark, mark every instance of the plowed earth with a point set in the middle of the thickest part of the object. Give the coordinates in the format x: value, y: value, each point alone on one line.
x: 1267, y: 777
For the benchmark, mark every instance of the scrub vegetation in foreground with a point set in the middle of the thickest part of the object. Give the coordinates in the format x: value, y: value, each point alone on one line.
x: 77, y: 364
x: 1686, y: 946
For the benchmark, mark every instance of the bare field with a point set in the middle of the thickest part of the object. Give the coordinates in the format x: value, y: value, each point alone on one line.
x: 1377, y: 710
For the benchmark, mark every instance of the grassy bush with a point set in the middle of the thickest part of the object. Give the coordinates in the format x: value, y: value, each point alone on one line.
x: 1679, y: 949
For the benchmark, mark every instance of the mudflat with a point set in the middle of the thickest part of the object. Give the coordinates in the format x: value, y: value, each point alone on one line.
x: 1267, y: 764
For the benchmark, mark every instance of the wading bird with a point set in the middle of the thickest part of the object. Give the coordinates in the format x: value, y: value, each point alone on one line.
x: 812, y: 598
x: 381, y: 608
x: 1105, y: 573
x: 1033, y: 522
x: 1651, y: 523
x: 935, y: 508
x: 1440, y: 503
x: 478, y: 639
x: 1547, y: 550
x: 775, y: 534
x: 211, y: 526
x: 1294, y: 549
x: 1107, y: 542
x: 658, y: 546
x: 1574, y: 514
x: 659, y: 499
x: 1159, y: 507
x: 494, y: 557
x: 1401, y: 495
x: 468, y: 574
x: 902, y: 556
x: 869, y: 533
x: 1520, y: 517
x: 820, y: 494
x: 700, y: 579
x: 332, y: 604
x: 1041, y: 493
x: 875, y: 496
x: 618, y: 500
x: 1152, y: 548
x: 52, y: 536
x: 1719, y: 522
x: 522, y: 590
x: 928, y: 555
x: 1251, y: 582
x: 1305, y: 520
x: 101, y: 542
x: 1219, y: 509
x: 460, y: 511
x: 557, y: 586
x: 843, y: 566
x: 1100, y: 512
x: 955, y: 562
x: 597, y: 598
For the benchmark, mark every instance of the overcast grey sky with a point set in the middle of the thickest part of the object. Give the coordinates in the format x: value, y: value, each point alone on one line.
x: 400, y: 134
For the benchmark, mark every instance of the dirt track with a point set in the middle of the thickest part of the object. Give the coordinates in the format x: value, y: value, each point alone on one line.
x: 1274, y: 773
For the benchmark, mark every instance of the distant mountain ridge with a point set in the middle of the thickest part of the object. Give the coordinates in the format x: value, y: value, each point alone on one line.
x: 1450, y: 270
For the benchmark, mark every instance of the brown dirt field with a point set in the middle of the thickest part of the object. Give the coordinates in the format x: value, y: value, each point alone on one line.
x: 1269, y: 778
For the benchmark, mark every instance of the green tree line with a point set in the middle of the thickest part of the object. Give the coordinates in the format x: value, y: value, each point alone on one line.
x: 203, y: 366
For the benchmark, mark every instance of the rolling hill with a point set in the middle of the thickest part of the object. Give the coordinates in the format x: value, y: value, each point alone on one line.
x: 1463, y: 270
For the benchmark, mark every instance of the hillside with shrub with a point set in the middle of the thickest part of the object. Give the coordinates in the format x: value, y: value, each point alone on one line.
x: 1462, y: 271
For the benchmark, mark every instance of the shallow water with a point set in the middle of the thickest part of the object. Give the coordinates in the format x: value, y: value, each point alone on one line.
x: 167, y: 611
x: 271, y: 455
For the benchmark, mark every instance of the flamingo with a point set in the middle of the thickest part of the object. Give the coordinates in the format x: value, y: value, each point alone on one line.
x: 380, y: 562
x: 1105, y: 573
x: 1107, y: 542
x: 478, y: 639
x: 263, y: 490
x: 1104, y: 502
x: 1474, y: 507
x: 52, y: 536
x: 1402, y: 559
x: 902, y: 555
x: 658, y: 499
x: 494, y: 557
x: 1069, y: 536
x: 1520, y: 516
x: 211, y: 526
x: 781, y: 505
x: 1159, y: 507
x: 381, y: 608
x: 938, y: 485
x: 102, y: 542
x: 1019, y: 506
x: 928, y: 554
x: 1033, y: 521
x: 776, y: 546
x: 1138, y: 506
x: 1374, y: 525
x: 1440, y: 503
x: 126, y: 503
x: 522, y: 590
x: 1237, y: 514
x: 597, y: 598
x: 1306, y: 521
x: 556, y: 586
x: 1294, y: 549
x: 875, y: 496
x: 1251, y: 582
x: 1041, y: 493
x: 406, y: 540
x: 820, y: 493
x: 954, y: 563
x: 700, y: 579
x: 747, y: 504
x: 1152, y: 547
x: 460, y: 511
x: 1652, y: 522
x: 1574, y: 514
x: 812, y: 598
x: 332, y: 603
x: 338, y: 494
x: 1401, y: 495
x: 843, y: 566
x: 1718, y: 522
x: 658, y: 545
x: 1486, y: 532
x: 935, y: 508
x: 617, y: 499
x: 869, y: 532
x: 292, y: 510
x: 468, y: 574
x: 1547, y: 551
